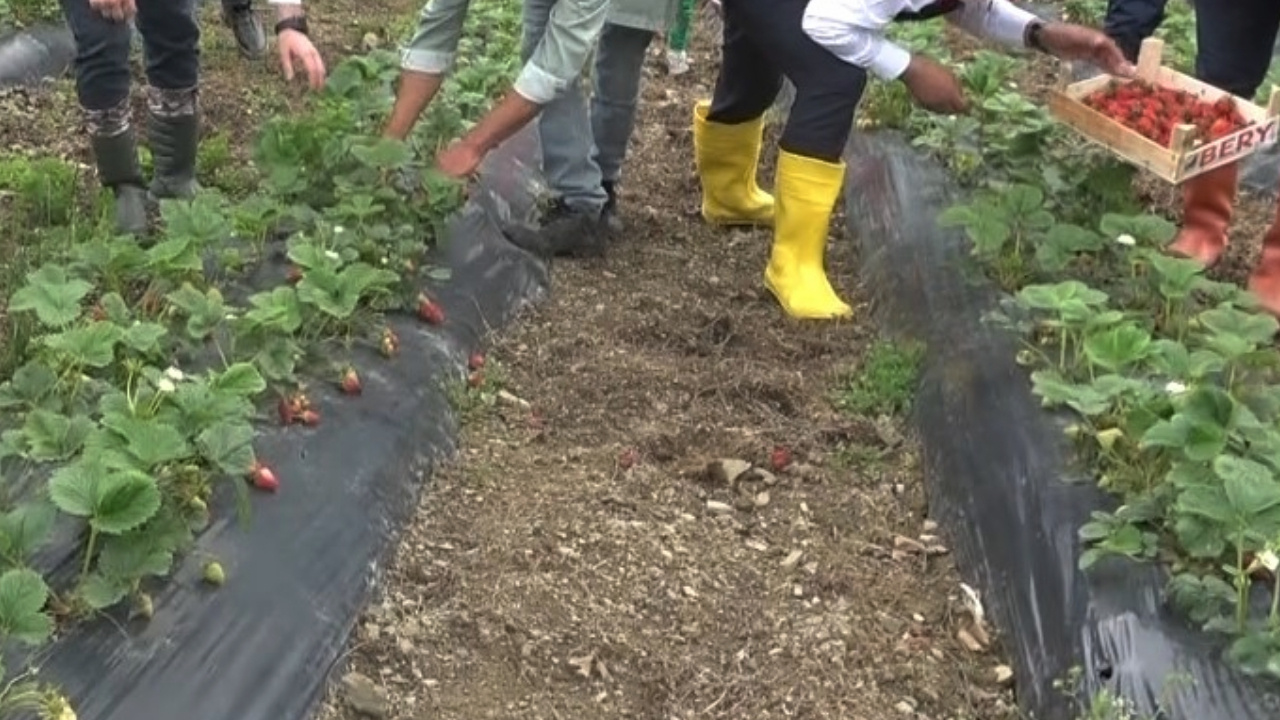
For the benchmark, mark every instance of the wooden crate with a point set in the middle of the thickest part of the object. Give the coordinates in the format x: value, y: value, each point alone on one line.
x: 1187, y: 157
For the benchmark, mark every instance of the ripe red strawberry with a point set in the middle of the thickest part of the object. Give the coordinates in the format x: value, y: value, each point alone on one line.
x: 476, y: 379
x: 351, y: 382
x: 429, y: 311
x: 263, y: 478
x: 476, y: 361
x: 293, y: 274
x: 98, y: 313
x: 1220, y: 128
x: 628, y: 458
x: 310, y: 418
x: 780, y: 458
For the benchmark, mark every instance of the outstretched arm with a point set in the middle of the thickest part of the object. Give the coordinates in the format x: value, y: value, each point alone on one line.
x: 295, y: 47
x: 1006, y: 23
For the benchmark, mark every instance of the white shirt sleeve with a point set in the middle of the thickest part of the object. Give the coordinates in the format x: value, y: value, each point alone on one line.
x: 998, y: 20
x: 853, y: 30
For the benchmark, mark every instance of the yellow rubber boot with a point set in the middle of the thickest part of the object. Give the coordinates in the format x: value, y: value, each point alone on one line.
x: 807, y: 190
x: 727, y: 156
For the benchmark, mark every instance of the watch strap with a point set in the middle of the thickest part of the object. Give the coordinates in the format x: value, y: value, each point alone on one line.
x: 297, y: 23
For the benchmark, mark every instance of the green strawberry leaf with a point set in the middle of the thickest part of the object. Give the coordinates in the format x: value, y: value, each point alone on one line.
x: 23, y: 594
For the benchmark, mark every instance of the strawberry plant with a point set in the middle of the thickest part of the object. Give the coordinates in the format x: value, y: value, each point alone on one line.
x: 134, y: 373
x: 1170, y: 380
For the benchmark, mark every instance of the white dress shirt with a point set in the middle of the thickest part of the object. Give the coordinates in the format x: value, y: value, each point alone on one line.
x: 853, y: 29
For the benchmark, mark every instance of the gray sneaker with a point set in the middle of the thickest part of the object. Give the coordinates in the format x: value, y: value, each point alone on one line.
x: 247, y: 28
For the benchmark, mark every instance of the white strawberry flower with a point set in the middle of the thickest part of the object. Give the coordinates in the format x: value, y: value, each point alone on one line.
x: 1175, y: 388
x: 175, y: 374
x: 1127, y: 240
x: 166, y: 385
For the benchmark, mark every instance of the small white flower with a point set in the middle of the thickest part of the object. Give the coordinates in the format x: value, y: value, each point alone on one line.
x: 175, y: 374
x: 230, y: 316
x: 1175, y: 388
x: 385, y: 260
x: 1269, y: 560
x: 332, y: 255
x: 1126, y: 240
x: 338, y: 229
x: 166, y: 385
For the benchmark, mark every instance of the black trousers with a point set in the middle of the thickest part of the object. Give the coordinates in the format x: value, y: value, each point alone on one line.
x: 1129, y: 22
x: 763, y: 41
x: 1235, y: 40
x: 170, y: 42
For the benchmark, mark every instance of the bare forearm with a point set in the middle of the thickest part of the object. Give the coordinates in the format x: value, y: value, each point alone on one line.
x: 416, y: 91
x: 513, y: 112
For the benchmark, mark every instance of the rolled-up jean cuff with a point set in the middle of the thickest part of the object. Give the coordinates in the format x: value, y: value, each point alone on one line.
x: 539, y: 86
x: 426, y: 61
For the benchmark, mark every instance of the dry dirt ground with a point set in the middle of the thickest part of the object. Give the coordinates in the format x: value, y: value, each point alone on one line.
x: 543, y: 578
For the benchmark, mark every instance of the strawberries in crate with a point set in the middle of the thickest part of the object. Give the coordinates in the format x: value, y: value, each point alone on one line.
x: 1154, y: 112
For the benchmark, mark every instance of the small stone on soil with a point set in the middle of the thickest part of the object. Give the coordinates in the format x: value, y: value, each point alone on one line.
x: 363, y: 696
x: 726, y: 471
x: 719, y: 508
x: 1004, y: 675
x: 792, y: 560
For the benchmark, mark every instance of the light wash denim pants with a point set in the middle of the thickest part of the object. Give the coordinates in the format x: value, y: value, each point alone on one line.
x: 582, y: 147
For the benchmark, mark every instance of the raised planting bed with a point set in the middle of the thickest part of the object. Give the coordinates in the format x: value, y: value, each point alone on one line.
x: 1164, y: 379
x: 148, y: 575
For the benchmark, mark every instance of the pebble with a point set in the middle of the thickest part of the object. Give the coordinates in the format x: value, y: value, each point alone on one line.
x: 719, y: 508
x: 364, y: 697
x: 1004, y: 675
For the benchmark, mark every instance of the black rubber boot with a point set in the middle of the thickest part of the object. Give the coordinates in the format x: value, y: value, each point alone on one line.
x: 115, y: 151
x: 565, y: 232
x: 246, y: 26
x: 173, y: 128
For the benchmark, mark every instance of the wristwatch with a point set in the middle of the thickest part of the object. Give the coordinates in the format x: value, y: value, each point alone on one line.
x: 297, y: 23
x: 1032, y: 36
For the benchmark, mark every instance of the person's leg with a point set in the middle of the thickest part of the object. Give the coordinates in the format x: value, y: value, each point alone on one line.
x: 619, y: 66
x: 1234, y: 44
x: 678, y: 39
x: 102, y: 87
x: 171, y: 39
x: 1129, y: 22
x: 729, y: 130
x: 245, y: 24
x: 811, y: 169
x: 569, y: 227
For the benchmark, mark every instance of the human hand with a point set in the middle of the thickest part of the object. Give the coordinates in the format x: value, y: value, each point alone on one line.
x: 934, y: 87
x: 118, y: 10
x: 460, y: 160
x: 1077, y: 42
x: 297, y: 50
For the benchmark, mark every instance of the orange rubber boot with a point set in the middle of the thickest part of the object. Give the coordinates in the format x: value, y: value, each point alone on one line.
x: 1207, y: 202
x: 1264, y: 283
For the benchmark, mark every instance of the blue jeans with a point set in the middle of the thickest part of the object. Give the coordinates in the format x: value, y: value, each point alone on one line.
x: 170, y: 43
x: 1129, y: 22
x: 582, y: 148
